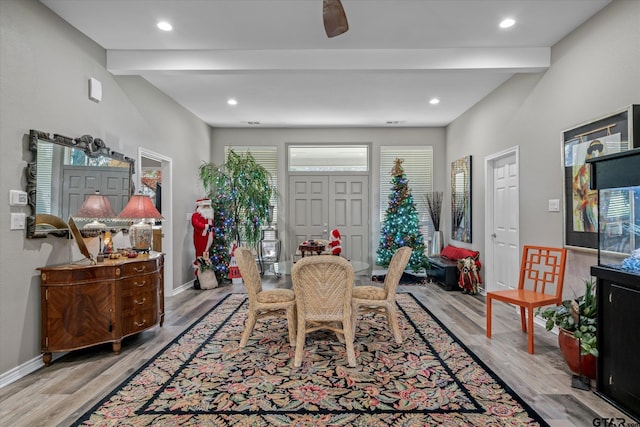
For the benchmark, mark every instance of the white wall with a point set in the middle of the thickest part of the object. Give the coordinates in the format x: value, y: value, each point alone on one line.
x: 44, y: 68
x: 376, y: 137
x: 594, y: 71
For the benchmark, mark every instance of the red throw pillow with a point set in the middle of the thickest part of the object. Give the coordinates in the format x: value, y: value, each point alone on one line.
x: 454, y: 253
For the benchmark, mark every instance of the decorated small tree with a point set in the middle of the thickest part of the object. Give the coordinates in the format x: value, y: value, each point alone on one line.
x: 401, y: 225
x: 219, y: 251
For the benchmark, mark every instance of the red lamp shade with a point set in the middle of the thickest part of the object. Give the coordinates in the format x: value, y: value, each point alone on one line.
x: 140, y: 207
x: 96, y: 207
x: 141, y: 233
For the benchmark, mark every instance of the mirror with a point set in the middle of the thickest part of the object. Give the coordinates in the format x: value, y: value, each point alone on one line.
x: 461, y: 200
x: 64, y: 171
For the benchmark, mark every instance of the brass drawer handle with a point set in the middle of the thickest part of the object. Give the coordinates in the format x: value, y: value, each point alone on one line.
x: 139, y: 302
x: 144, y: 282
x: 140, y: 324
x: 140, y: 270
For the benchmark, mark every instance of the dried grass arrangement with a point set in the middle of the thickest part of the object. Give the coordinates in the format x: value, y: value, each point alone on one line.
x: 458, y: 203
x: 434, y: 204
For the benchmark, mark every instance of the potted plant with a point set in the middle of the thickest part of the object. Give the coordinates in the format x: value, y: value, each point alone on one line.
x: 576, y: 320
x: 242, y: 187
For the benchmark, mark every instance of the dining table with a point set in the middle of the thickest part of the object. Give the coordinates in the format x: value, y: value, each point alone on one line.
x: 360, y: 269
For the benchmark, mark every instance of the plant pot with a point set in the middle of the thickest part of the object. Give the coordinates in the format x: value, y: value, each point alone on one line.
x: 570, y: 349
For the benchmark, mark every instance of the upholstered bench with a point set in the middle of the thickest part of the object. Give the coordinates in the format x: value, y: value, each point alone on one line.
x: 443, y: 268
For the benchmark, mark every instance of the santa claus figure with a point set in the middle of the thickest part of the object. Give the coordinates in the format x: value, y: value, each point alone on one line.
x: 335, y: 240
x: 202, y: 221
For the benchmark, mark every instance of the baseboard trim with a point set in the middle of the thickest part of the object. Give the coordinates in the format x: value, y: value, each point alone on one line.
x: 36, y: 363
x: 182, y: 288
x: 25, y: 369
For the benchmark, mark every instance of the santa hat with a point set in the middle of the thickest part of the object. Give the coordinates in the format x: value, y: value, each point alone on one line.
x: 203, y: 202
x: 335, y: 234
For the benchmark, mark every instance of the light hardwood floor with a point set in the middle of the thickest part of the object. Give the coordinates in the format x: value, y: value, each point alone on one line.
x: 57, y: 395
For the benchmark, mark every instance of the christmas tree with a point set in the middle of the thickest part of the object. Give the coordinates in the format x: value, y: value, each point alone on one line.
x: 401, y: 226
x: 219, y: 250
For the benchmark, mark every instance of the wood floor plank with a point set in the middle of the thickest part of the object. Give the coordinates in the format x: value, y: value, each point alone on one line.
x: 78, y: 380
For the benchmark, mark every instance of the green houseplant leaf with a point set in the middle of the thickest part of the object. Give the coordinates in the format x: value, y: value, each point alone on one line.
x: 244, y: 188
x: 577, y: 316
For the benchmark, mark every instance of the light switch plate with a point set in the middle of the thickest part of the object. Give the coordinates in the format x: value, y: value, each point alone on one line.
x: 554, y: 205
x: 18, y: 221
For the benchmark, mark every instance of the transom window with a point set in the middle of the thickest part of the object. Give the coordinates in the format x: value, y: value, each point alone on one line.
x: 328, y: 158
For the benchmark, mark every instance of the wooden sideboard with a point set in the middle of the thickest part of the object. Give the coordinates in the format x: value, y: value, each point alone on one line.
x: 85, y: 305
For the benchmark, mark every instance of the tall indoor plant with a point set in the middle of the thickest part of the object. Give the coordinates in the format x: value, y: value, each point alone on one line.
x: 243, y: 188
x: 576, y: 320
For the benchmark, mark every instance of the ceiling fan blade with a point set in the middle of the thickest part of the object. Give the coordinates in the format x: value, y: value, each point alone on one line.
x: 335, y: 20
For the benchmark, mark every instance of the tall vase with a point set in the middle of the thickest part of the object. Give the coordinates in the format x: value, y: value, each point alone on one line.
x: 436, y: 243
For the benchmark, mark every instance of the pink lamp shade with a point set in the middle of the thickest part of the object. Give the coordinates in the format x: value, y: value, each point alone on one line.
x: 140, y: 208
x: 95, y: 207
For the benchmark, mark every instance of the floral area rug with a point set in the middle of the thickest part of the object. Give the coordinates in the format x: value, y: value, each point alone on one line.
x: 202, y: 378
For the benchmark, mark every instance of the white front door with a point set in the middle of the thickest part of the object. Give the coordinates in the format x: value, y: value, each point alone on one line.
x: 320, y: 203
x: 501, y: 243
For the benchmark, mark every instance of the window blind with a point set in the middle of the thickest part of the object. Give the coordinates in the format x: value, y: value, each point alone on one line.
x: 418, y: 167
x: 45, y: 172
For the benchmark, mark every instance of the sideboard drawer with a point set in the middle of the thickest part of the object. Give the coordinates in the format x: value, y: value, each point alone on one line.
x: 139, y: 283
x: 137, y: 300
x: 66, y: 276
x: 142, y: 267
x: 139, y: 319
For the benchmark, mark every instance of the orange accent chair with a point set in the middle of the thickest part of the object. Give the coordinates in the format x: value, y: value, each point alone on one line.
x: 540, y: 284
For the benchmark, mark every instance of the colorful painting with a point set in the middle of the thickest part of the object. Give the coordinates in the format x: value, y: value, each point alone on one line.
x: 601, y: 137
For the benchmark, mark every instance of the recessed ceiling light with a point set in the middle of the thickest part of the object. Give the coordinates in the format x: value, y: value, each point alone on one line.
x: 165, y: 26
x: 232, y: 101
x: 506, y: 23
x: 434, y: 101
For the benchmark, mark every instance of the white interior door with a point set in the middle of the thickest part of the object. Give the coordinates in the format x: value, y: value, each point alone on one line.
x: 320, y: 203
x: 502, y: 247
x: 167, y: 212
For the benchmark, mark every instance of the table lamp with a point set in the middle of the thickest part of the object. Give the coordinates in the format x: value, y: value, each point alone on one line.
x: 141, y: 209
x: 95, y: 208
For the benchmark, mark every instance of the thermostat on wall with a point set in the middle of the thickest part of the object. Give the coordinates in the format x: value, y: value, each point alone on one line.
x: 17, y: 198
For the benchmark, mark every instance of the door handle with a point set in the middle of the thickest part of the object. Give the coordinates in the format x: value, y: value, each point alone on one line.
x: 494, y: 235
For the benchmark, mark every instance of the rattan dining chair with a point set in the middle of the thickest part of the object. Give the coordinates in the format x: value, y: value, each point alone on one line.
x: 383, y: 299
x: 262, y: 303
x: 323, y: 285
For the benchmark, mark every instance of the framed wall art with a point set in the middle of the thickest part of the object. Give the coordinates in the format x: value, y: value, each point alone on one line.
x: 613, y: 133
x: 461, y: 200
